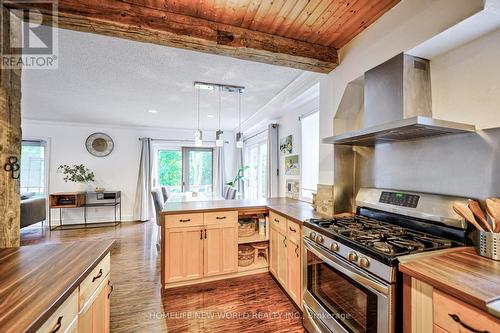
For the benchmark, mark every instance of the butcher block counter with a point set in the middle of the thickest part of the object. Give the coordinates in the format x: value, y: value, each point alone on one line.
x: 292, y: 209
x: 51, y: 286
x: 451, y: 291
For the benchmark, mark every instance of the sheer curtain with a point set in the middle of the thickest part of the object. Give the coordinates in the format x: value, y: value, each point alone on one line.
x: 143, y: 210
x: 272, y: 161
x: 220, y: 175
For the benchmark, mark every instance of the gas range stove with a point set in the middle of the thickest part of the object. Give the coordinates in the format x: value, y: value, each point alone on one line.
x: 376, y: 238
x: 350, y: 265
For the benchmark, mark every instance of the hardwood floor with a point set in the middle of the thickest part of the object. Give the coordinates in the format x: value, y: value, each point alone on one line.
x: 247, y: 304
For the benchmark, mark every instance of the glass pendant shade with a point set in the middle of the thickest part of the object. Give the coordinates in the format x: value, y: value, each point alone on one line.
x: 219, y: 140
x: 239, y: 140
x: 198, y: 138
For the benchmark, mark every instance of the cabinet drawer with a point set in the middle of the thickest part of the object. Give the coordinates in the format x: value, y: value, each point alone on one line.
x: 463, y: 314
x: 183, y: 220
x: 438, y: 329
x: 63, y: 317
x: 293, y: 231
x: 277, y: 221
x: 220, y: 217
x: 92, y: 281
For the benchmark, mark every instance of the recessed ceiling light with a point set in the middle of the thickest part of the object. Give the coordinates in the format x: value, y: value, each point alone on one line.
x: 152, y: 111
x: 210, y: 116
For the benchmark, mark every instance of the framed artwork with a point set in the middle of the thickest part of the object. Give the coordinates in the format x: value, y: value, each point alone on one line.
x: 286, y: 145
x: 292, y: 188
x: 292, y: 167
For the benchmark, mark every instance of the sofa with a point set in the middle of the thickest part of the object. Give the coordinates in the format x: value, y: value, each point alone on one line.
x: 33, y: 210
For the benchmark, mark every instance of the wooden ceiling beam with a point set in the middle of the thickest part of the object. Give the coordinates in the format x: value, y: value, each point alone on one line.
x: 136, y: 22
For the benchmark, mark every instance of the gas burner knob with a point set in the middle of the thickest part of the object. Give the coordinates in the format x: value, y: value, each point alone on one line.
x: 312, y: 235
x: 364, y: 262
x: 335, y: 247
x: 352, y: 256
x: 319, y: 239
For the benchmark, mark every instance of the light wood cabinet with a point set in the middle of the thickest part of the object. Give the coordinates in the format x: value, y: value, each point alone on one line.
x: 273, y: 251
x: 63, y: 317
x: 94, y: 315
x: 183, y: 253
x: 286, y: 256
x: 209, y: 248
x: 220, y: 249
x: 294, y: 270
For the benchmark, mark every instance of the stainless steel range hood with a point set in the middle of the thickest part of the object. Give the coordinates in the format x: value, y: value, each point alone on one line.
x: 397, y: 105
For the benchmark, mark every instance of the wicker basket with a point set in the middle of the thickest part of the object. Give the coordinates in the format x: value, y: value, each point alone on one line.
x: 246, y: 255
x: 246, y: 228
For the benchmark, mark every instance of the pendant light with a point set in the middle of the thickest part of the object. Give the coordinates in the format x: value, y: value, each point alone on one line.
x: 239, y: 135
x: 219, y: 141
x: 198, y: 135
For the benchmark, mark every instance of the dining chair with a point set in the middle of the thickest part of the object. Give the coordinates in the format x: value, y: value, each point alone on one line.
x: 165, y: 191
x: 158, y: 203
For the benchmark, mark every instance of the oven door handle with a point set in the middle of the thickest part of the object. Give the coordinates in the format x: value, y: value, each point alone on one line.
x: 340, y: 266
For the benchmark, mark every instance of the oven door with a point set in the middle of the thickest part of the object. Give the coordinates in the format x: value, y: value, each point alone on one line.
x: 340, y: 297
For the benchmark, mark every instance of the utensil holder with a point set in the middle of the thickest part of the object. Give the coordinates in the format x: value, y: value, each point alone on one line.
x: 488, y: 244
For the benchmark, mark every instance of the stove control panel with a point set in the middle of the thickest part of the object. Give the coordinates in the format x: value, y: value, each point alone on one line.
x: 399, y: 199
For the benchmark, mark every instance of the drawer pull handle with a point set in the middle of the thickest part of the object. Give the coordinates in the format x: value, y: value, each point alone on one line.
x: 297, y: 250
x: 185, y: 220
x: 97, y: 276
x: 220, y: 217
x: 292, y: 230
x: 284, y: 241
x: 58, y: 325
x: 110, y: 288
x: 276, y: 220
x: 457, y: 319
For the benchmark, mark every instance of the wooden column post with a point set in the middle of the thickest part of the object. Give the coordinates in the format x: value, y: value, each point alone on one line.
x: 10, y: 135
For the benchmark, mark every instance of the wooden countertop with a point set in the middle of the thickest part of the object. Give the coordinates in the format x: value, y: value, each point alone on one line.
x: 36, y: 279
x: 460, y: 273
x: 292, y: 209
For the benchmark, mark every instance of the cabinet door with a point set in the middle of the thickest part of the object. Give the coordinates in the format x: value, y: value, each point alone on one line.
x: 282, y: 259
x: 294, y: 270
x: 183, y: 254
x: 94, y: 318
x: 273, y: 252
x: 220, y: 249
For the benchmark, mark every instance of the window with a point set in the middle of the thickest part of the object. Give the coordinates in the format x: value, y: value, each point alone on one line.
x: 33, y: 167
x: 310, y: 155
x: 256, y: 175
x: 185, y: 169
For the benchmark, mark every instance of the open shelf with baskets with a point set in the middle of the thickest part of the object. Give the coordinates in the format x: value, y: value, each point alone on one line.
x: 253, y: 240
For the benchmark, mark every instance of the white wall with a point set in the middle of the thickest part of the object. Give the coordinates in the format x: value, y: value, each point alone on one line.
x: 408, y: 24
x: 289, y: 123
x: 466, y: 83
x: 118, y: 171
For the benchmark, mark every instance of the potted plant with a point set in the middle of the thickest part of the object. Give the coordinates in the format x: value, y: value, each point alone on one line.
x: 239, y: 176
x: 77, y: 173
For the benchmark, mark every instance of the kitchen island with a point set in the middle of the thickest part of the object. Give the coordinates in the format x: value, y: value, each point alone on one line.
x: 202, y: 241
x: 44, y: 288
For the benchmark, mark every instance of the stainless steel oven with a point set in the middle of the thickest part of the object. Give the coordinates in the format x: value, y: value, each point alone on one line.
x: 340, y: 297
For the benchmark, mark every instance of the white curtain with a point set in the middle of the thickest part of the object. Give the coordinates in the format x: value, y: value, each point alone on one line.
x: 272, y: 161
x: 240, y: 164
x: 220, y: 175
x: 143, y: 208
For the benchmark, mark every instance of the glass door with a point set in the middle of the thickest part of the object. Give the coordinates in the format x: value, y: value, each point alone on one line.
x: 198, y: 169
x: 185, y: 169
x: 33, y: 167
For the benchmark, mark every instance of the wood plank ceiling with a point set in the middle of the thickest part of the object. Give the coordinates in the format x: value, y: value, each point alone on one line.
x: 304, y: 34
x: 325, y: 22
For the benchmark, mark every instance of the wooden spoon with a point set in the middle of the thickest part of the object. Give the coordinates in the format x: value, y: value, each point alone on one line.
x: 493, y: 209
x: 478, y: 212
x: 465, y: 212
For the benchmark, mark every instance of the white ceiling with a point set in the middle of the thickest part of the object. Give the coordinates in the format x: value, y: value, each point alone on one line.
x: 115, y: 81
